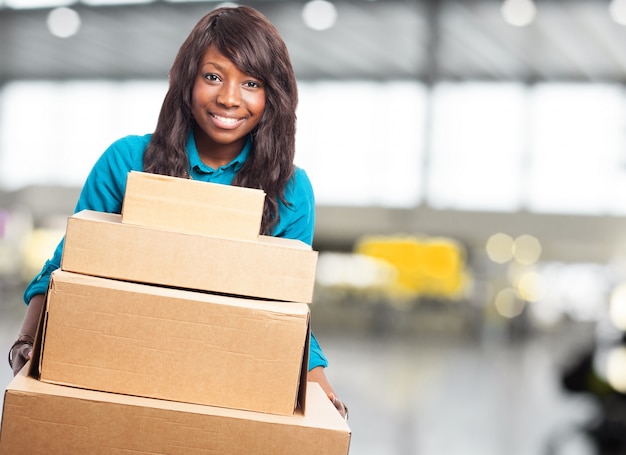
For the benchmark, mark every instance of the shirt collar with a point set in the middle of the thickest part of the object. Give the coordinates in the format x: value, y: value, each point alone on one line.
x: 196, y: 163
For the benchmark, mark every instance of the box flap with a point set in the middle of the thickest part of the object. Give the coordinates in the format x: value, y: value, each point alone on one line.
x: 305, y: 369
x: 35, y: 363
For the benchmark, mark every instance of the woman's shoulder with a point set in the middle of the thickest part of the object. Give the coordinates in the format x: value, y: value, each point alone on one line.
x: 127, y: 151
x: 298, y: 215
x: 132, y: 142
x: 300, y: 177
x: 299, y: 187
x: 106, y: 183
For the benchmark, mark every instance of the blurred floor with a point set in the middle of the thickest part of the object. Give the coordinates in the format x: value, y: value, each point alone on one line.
x: 436, y: 395
x: 456, y: 398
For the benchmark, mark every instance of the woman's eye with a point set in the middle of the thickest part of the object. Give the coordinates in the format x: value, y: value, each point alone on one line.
x: 252, y: 84
x: 211, y: 77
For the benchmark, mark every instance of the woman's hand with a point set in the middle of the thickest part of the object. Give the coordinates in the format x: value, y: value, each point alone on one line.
x: 318, y: 375
x: 340, y: 405
x: 22, y: 349
x: 20, y: 353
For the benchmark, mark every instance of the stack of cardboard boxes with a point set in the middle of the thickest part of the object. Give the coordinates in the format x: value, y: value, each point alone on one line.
x: 174, y: 328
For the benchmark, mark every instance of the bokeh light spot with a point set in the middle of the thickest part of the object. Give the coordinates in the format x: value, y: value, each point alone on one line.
x: 63, y: 22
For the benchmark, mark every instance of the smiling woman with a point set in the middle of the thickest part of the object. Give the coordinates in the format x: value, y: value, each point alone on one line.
x: 228, y: 117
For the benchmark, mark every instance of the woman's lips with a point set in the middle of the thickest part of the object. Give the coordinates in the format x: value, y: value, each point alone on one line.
x: 226, y: 122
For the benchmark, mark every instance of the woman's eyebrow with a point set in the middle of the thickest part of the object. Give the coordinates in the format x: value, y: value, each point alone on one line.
x: 213, y: 64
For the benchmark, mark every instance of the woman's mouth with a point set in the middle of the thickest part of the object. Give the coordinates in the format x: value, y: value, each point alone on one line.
x: 225, y: 122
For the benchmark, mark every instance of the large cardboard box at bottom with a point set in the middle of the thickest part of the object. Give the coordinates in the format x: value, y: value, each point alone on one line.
x: 47, y: 419
x: 156, y: 342
x: 273, y: 268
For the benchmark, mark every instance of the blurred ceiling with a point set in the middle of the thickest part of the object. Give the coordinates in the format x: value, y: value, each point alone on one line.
x: 380, y: 40
x: 406, y: 39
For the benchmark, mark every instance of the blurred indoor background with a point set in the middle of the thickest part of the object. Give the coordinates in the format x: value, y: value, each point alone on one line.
x: 469, y: 163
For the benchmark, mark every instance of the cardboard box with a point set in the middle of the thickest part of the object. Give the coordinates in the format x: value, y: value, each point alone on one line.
x: 272, y: 268
x: 47, y: 419
x: 191, y: 206
x: 156, y: 342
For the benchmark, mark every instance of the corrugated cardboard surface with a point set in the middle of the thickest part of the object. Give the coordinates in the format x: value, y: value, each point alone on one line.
x: 149, y: 341
x: 100, y: 244
x: 47, y: 419
x: 192, y: 206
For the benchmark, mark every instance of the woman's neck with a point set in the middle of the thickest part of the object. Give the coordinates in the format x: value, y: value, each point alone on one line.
x: 214, y: 154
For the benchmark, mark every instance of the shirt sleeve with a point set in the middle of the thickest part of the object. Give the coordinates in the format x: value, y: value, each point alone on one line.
x: 316, y: 355
x: 103, y: 191
x: 297, y: 219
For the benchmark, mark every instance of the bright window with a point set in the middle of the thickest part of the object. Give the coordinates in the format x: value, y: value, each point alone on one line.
x: 477, y: 149
x: 551, y: 148
x: 578, y: 152
x: 52, y: 133
x: 361, y: 142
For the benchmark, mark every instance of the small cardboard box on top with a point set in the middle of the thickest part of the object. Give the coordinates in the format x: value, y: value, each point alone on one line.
x: 172, y: 344
x: 99, y: 244
x: 192, y: 207
x: 48, y: 419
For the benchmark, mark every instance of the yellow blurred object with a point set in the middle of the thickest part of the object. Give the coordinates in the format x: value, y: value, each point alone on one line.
x: 433, y: 267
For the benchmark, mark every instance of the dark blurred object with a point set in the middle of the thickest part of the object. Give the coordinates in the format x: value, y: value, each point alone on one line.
x: 608, y: 431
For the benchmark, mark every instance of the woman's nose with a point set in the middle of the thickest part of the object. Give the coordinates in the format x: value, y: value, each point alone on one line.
x: 229, y: 95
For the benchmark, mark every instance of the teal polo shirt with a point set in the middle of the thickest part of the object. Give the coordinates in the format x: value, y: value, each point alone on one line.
x: 105, y: 186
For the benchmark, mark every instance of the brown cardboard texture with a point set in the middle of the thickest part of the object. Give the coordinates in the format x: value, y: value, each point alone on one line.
x: 193, y: 207
x: 156, y: 342
x: 100, y: 244
x: 46, y: 419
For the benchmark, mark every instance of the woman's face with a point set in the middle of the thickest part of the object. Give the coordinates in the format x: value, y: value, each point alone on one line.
x: 226, y: 104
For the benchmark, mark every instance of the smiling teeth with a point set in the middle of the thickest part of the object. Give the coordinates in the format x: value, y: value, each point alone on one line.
x: 226, y: 119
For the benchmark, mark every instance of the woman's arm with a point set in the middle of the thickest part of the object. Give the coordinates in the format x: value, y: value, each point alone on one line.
x: 297, y: 221
x: 103, y: 191
x: 22, y: 348
x: 318, y: 375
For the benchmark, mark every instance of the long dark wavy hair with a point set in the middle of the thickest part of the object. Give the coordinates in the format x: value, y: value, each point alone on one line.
x: 255, y: 46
